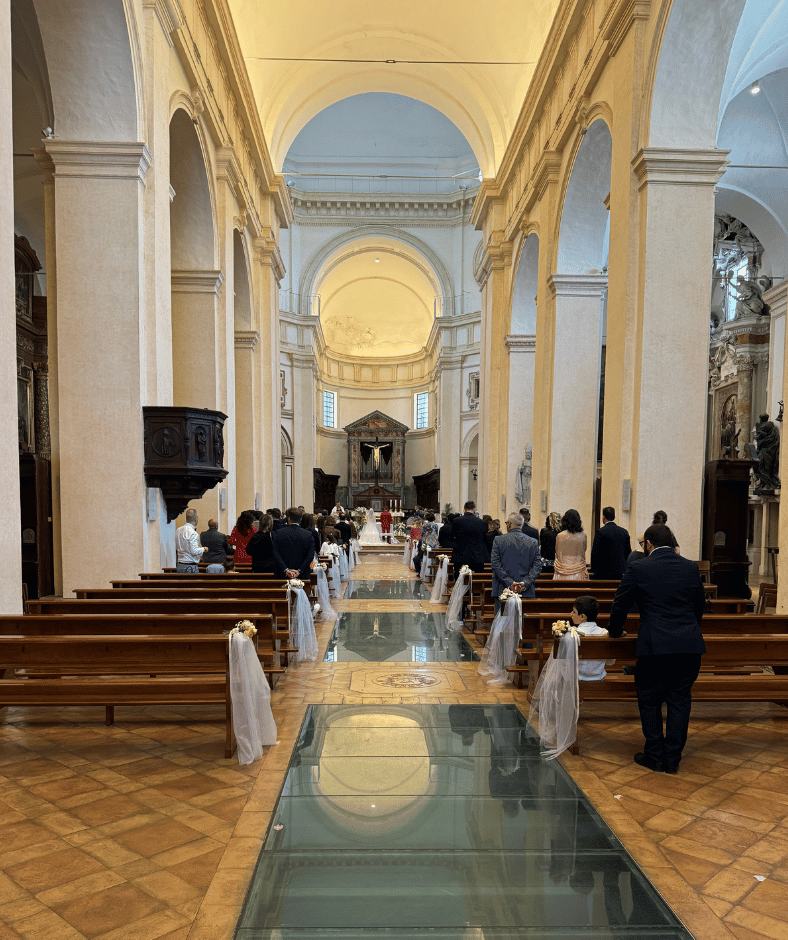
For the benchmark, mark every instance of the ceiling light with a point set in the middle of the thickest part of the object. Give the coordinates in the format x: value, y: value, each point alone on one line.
x: 755, y: 88
x: 377, y: 260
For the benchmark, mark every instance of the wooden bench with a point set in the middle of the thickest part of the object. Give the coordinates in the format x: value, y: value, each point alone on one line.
x: 148, y: 625
x: 119, y: 670
x: 722, y: 652
x: 119, y: 603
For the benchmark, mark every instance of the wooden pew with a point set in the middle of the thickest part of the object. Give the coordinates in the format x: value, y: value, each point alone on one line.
x: 538, y: 635
x: 722, y: 652
x: 123, y: 624
x: 119, y: 603
x: 120, y: 670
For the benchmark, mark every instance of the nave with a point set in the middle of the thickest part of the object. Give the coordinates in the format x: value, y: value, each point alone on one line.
x: 141, y: 830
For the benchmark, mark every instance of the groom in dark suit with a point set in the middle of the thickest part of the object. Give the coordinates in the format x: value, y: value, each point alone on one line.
x: 670, y: 597
x: 467, y: 533
x: 611, y: 549
x: 294, y: 549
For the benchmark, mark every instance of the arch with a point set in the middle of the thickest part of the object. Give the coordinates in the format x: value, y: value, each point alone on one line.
x: 98, y: 100
x: 287, y: 443
x: 192, y: 229
x: 332, y: 252
x: 687, y: 71
x: 467, y: 441
x: 526, y: 282
x: 243, y: 299
x: 584, y: 217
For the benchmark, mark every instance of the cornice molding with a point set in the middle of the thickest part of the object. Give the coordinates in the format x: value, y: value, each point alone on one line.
x: 495, y: 256
x: 616, y: 32
x: 663, y: 166
x: 246, y: 339
x: 196, y: 282
x: 318, y: 208
x: 523, y: 342
x: 103, y: 159
x: 577, y: 285
x: 265, y: 252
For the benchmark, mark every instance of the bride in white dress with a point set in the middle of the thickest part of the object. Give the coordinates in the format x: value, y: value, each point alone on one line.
x: 370, y: 535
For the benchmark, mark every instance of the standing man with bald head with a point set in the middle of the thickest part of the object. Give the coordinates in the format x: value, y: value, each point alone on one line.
x: 188, y: 550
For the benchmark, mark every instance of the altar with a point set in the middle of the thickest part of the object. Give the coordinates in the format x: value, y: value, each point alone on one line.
x: 376, y: 462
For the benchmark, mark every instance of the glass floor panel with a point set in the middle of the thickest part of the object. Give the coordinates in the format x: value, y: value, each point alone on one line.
x: 396, y: 638
x: 387, y: 591
x: 384, y: 829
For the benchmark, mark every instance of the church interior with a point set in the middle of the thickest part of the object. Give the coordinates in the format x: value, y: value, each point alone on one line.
x: 379, y: 256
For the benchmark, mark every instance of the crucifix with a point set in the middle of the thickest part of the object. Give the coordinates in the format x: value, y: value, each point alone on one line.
x: 376, y: 449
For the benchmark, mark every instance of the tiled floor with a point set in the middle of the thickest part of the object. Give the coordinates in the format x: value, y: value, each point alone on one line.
x: 142, y: 831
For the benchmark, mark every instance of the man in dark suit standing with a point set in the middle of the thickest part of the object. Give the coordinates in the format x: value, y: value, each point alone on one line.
x: 467, y: 533
x: 343, y: 527
x: 611, y: 548
x: 528, y: 529
x: 515, y: 561
x: 445, y: 539
x: 294, y: 549
x: 670, y: 597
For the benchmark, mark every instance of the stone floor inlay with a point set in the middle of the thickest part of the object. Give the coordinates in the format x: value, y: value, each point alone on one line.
x: 390, y: 636
x: 440, y: 821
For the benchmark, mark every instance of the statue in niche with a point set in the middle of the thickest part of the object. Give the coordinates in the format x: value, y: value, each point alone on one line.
x: 767, y: 441
x: 522, y: 486
x: 218, y: 446
x: 201, y: 442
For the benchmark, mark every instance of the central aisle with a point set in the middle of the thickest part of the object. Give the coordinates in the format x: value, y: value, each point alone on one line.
x: 425, y: 810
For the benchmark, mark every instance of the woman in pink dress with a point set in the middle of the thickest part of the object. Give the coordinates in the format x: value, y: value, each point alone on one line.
x: 570, y: 549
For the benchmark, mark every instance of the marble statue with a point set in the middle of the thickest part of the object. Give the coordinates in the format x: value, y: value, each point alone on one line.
x: 522, y: 486
x: 749, y: 294
x: 767, y: 440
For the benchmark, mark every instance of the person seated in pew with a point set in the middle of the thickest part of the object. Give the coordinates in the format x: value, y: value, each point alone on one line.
x: 584, y: 614
x: 218, y: 548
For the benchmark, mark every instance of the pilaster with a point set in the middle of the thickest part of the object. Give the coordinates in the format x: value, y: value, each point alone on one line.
x: 520, y: 424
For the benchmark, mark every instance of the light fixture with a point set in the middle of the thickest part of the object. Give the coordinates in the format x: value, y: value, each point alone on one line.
x: 755, y: 88
x: 377, y: 260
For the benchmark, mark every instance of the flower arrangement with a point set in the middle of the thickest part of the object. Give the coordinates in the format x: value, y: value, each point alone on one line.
x: 442, y: 558
x: 246, y: 627
x: 507, y: 593
x: 293, y: 583
x: 401, y: 530
x: 465, y: 570
x: 562, y: 627
x: 319, y: 564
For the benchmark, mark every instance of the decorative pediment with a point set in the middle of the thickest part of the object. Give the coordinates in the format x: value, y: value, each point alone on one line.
x: 377, y: 423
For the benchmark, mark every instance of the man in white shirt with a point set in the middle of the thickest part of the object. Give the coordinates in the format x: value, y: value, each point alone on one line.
x: 188, y: 550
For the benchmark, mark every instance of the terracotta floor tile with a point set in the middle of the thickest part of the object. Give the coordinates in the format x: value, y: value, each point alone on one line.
x: 54, y: 869
x: 696, y: 871
x: 730, y: 885
x: 69, y: 787
x: 23, y: 834
x: 107, y: 910
x: 769, y: 898
x: 743, y: 804
x: 158, y: 837
x: 715, y: 834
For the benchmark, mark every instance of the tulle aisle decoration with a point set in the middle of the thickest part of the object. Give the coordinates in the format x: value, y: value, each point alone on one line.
x: 406, y: 554
x: 505, y: 634
x: 323, y: 596
x: 441, y: 578
x: 556, y: 699
x: 343, y: 569
x: 253, y: 721
x: 351, y: 561
x: 355, y: 549
x: 336, y: 582
x: 425, y: 563
x: 461, y: 587
x: 300, y: 624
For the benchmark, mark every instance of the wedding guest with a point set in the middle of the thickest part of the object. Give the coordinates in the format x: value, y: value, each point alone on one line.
x: 330, y: 528
x: 570, y: 549
x: 307, y: 522
x: 243, y: 530
x: 294, y: 549
x: 279, y: 522
x: 343, y: 527
x: 611, y: 548
x: 468, y: 535
x: 584, y: 614
x: 261, y: 546
x: 492, y: 533
x: 445, y: 539
x: 527, y: 527
x: 515, y: 561
x: 216, y: 543
x: 188, y: 550
x: 547, y: 536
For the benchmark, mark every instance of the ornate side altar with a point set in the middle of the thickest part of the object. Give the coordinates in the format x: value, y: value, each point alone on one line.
x: 376, y: 461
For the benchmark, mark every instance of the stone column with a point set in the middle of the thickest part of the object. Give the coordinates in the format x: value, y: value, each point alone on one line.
x: 267, y: 271
x: 496, y: 316
x: 676, y: 195
x: 248, y: 469
x: 96, y: 343
x: 522, y: 350
x: 744, y: 370
x: 11, y: 577
x: 305, y: 378
x: 41, y: 398
x: 449, y: 438
x: 577, y: 337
